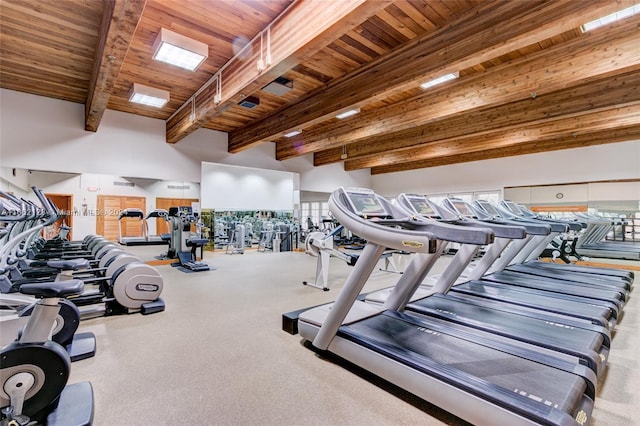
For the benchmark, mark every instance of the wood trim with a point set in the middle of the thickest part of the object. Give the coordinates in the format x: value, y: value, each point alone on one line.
x: 119, y: 22
x: 547, y: 209
x: 555, y: 143
x: 583, y: 127
x: 576, y: 183
x: 485, y: 32
x: 570, y: 64
x: 572, y: 101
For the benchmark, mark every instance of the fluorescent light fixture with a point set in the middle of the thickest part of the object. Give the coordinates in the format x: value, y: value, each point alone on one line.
x: 440, y: 80
x: 348, y: 113
x: 605, y: 20
x: 292, y: 134
x: 150, y: 96
x: 178, y: 50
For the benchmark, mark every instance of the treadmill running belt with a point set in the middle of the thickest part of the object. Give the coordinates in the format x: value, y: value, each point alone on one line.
x: 600, y: 315
x: 422, y: 347
x: 505, y: 323
x: 528, y: 281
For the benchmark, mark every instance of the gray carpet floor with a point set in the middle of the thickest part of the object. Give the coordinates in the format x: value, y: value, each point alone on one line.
x: 218, y: 355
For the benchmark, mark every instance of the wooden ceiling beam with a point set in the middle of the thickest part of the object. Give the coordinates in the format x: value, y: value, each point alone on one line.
x: 305, y: 28
x: 606, y: 92
x: 598, y: 120
x: 487, y: 31
x: 577, y: 61
x: 555, y: 143
x: 119, y: 22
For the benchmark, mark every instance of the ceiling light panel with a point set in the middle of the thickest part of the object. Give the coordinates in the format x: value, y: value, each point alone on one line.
x: 292, y: 133
x: 348, y: 113
x: 605, y: 20
x: 149, y: 96
x: 178, y: 50
x: 440, y: 80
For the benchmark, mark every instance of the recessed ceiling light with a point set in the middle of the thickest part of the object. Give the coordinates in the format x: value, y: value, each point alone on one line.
x: 440, y: 80
x: 605, y: 20
x: 292, y: 134
x: 348, y: 113
x: 149, y: 96
x: 178, y: 50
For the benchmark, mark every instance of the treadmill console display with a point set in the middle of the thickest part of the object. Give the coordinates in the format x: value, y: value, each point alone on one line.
x: 489, y: 208
x: 511, y: 207
x: 365, y: 203
x: 421, y: 206
x: 462, y: 208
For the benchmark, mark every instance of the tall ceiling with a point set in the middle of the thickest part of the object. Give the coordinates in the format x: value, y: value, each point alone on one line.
x: 529, y: 79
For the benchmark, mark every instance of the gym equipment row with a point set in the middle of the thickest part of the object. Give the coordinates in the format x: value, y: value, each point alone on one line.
x: 44, y: 296
x: 503, y: 339
x: 594, y: 243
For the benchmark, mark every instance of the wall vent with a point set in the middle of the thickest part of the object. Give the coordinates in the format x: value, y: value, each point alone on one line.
x: 178, y: 187
x: 115, y: 183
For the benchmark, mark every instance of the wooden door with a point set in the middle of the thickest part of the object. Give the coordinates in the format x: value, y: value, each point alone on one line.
x: 64, y: 203
x: 108, y: 210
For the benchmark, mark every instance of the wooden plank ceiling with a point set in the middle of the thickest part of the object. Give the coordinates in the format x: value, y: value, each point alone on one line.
x: 529, y: 79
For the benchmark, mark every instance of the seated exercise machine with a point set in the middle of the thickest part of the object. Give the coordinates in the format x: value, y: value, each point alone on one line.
x: 475, y: 375
x: 35, y: 370
x: 184, y: 243
x: 321, y: 245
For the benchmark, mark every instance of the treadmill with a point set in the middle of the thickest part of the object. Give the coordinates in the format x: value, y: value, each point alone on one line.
x: 590, y: 312
x: 499, y: 274
x: 477, y: 376
x: 135, y: 214
x: 156, y: 239
x: 593, y: 242
x: 588, y: 342
x: 600, y: 276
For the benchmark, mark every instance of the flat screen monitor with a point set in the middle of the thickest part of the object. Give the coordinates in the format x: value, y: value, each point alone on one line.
x: 511, y: 207
x: 489, y: 208
x: 421, y: 206
x: 365, y: 203
x: 462, y: 208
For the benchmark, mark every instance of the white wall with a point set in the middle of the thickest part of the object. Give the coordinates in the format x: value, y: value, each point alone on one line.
x: 226, y: 187
x: 596, y: 163
x: 46, y: 134
x: 40, y: 133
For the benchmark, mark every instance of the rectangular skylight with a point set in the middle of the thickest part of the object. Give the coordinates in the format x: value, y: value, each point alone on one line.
x: 440, y: 80
x: 292, y: 134
x: 178, y: 50
x: 624, y: 13
x: 348, y: 113
x: 149, y: 96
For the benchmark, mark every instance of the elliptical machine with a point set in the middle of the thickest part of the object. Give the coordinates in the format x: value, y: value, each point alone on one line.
x: 183, y: 243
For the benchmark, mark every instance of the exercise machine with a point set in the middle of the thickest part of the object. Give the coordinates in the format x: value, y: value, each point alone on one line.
x: 322, y: 246
x: 184, y: 243
x: 158, y: 238
x: 132, y: 214
x: 35, y: 370
x: 440, y: 361
x: 237, y: 241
